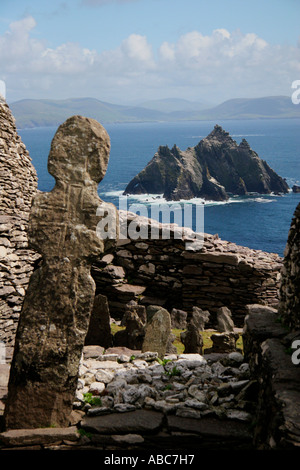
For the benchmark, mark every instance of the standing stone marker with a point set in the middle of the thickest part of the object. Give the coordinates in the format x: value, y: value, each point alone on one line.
x: 55, y: 316
x: 192, y: 337
x: 157, y: 331
x: 225, y: 322
x: 135, y: 320
x: 99, y: 332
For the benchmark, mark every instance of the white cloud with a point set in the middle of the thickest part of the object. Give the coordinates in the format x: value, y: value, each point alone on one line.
x: 167, y: 51
x: 220, y: 66
x: 136, y: 48
x: 16, y: 44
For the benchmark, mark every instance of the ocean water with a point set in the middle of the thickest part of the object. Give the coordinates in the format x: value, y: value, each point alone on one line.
x: 257, y: 221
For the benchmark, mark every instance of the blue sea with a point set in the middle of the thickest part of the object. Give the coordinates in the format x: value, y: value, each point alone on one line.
x: 257, y: 221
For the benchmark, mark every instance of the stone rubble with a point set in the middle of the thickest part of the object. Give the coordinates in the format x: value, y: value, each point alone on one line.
x: 126, y: 399
x: 186, y: 385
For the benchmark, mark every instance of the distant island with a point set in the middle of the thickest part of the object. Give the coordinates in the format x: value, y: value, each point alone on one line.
x: 43, y: 112
x: 214, y: 169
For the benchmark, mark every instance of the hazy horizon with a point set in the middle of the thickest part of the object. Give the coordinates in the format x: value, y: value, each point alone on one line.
x: 141, y: 102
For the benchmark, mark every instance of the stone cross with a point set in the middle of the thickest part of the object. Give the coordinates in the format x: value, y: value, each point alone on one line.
x: 55, y: 316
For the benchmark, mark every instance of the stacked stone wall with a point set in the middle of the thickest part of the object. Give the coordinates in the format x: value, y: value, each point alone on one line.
x: 289, y: 306
x: 171, y: 273
x: 271, y: 341
x: 18, y: 184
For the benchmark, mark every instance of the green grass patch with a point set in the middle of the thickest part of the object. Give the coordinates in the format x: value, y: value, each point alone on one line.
x: 206, y: 335
x: 92, y: 400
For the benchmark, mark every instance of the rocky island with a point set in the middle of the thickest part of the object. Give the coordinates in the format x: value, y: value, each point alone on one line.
x: 214, y: 169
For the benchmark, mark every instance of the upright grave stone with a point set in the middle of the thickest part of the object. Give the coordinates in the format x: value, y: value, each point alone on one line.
x: 224, y: 319
x: 99, y: 332
x: 192, y: 337
x: 55, y: 316
x: 157, y: 331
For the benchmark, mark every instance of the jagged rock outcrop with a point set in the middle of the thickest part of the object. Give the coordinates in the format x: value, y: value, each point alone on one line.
x: 211, y: 170
x: 18, y: 185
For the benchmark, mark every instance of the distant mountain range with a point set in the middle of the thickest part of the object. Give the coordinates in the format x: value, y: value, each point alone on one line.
x: 38, y: 113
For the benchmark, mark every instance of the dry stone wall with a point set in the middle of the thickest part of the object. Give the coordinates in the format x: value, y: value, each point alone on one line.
x: 289, y: 306
x: 18, y: 185
x: 166, y: 272
x: 271, y: 341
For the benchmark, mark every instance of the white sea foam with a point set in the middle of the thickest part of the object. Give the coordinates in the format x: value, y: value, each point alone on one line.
x: 112, y: 193
x: 159, y: 199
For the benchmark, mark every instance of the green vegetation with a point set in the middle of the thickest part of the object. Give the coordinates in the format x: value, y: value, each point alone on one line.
x: 206, y: 335
x: 168, y: 387
x: 163, y: 362
x: 173, y: 372
x: 92, y: 400
x: 84, y: 433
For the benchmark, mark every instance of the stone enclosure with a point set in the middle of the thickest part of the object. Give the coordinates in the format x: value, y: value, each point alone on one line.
x: 165, y: 272
x: 146, y: 396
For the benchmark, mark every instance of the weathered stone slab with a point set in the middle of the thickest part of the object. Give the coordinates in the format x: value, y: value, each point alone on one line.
x: 223, y: 342
x: 225, y: 322
x: 192, y: 338
x: 140, y: 421
x: 4, y: 374
x: 157, y: 331
x: 25, y: 437
x: 210, y: 427
x: 92, y: 351
x: 134, y: 320
x: 260, y: 323
x: 178, y: 318
x: 130, y: 290
x: 220, y: 258
x: 54, y: 320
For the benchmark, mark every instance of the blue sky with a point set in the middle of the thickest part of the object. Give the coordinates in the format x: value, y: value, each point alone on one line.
x: 127, y: 51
